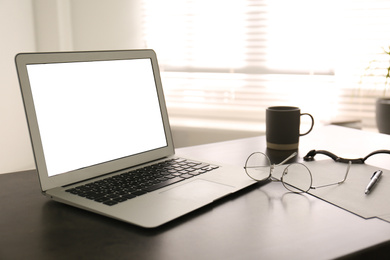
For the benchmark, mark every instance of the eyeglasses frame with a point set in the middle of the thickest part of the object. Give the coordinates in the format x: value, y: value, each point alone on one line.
x: 285, y: 172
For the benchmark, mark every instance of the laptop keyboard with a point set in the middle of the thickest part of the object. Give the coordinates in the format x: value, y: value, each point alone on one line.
x: 128, y: 185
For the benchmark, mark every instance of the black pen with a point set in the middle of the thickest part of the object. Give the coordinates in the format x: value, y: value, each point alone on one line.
x: 374, y: 179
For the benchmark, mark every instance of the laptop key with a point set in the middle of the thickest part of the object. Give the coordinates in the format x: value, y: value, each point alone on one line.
x: 110, y: 202
x: 186, y: 176
x: 101, y: 199
x: 164, y: 183
x: 129, y: 196
x: 210, y: 168
x: 200, y: 166
x: 138, y: 192
x: 120, y: 199
x: 196, y: 172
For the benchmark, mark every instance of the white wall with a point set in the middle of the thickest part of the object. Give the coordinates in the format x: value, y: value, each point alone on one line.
x: 53, y: 25
x: 17, y: 35
x: 107, y: 24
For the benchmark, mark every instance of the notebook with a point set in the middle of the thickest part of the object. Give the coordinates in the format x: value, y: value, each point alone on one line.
x: 97, y: 121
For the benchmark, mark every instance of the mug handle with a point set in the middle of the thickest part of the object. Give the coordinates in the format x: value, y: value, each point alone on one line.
x: 312, y: 123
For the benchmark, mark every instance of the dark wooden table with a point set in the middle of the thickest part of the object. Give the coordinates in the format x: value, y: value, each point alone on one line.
x: 262, y: 222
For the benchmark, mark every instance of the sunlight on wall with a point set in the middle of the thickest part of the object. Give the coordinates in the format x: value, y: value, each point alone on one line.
x: 302, y: 34
x: 316, y: 95
x: 184, y: 34
x: 366, y: 31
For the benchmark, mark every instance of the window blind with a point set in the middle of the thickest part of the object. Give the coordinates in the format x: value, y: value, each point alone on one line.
x: 224, y: 62
x: 362, y: 63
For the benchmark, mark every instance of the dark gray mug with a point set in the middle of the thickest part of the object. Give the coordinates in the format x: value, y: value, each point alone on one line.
x: 283, y: 126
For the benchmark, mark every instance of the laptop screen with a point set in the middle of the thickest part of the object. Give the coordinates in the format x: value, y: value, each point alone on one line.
x: 95, y: 111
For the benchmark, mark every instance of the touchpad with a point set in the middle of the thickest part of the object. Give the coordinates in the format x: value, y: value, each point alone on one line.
x: 199, y: 190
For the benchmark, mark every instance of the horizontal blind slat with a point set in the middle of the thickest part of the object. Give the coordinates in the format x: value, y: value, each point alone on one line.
x: 214, y: 72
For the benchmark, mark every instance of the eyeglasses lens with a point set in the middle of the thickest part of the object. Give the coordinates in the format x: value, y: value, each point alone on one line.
x: 297, y: 178
x: 258, y: 166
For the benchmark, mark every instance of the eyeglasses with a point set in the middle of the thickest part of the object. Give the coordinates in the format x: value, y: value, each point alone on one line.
x: 296, y: 177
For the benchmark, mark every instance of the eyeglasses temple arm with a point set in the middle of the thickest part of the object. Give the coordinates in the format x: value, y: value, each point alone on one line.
x: 375, y: 152
x: 310, y: 157
x: 288, y: 158
x: 346, y: 173
x: 340, y: 182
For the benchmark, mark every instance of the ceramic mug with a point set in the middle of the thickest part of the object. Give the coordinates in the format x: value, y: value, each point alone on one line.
x: 283, y: 127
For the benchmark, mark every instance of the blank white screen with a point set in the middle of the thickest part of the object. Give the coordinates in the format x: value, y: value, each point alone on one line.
x: 94, y: 112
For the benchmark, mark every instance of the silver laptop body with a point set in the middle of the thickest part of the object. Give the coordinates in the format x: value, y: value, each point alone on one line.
x: 96, y: 114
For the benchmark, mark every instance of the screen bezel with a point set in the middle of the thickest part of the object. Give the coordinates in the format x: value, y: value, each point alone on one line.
x: 24, y: 59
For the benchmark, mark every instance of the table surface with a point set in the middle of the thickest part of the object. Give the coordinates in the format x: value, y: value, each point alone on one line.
x: 263, y: 221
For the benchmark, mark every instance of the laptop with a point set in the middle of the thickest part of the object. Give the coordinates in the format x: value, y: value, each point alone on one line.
x: 102, y: 142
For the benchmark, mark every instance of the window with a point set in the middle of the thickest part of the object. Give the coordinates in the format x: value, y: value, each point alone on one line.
x: 224, y: 62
